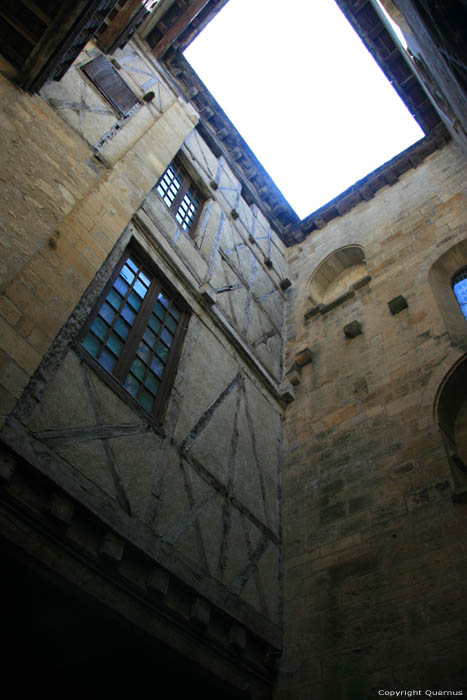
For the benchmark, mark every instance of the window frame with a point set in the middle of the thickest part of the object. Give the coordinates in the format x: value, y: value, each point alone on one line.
x: 129, y: 352
x: 187, y: 182
x: 454, y: 282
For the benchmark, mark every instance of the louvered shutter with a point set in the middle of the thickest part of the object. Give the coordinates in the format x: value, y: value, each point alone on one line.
x: 107, y: 79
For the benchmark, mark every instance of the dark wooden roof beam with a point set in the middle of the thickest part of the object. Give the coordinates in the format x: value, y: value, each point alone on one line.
x: 36, y: 10
x: 358, y: 5
x: 20, y: 28
x: 178, y: 27
x: 236, y: 153
x: 207, y: 113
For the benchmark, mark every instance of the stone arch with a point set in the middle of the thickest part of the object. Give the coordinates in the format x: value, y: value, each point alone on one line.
x: 450, y: 415
x: 339, y: 272
x: 440, y: 278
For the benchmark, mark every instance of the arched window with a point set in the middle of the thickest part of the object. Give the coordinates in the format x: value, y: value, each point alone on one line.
x: 451, y: 417
x: 459, y: 286
x: 337, y: 274
x: 445, y: 281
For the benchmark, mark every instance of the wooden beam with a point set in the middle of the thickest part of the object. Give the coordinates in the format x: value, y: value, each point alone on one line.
x: 124, y: 16
x: 178, y: 27
x: 20, y: 28
x: 43, y: 16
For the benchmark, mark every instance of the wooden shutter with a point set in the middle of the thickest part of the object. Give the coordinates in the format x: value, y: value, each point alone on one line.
x: 107, y: 79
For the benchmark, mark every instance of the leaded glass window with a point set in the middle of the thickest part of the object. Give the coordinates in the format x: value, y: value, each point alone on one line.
x: 181, y: 195
x: 459, y: 285
x: 135, y: 332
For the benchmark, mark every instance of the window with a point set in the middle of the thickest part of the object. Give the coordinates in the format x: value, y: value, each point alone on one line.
x: 108, y: 81
x: 135, y: 332
x: 181, y: 195
x: 459, y: 286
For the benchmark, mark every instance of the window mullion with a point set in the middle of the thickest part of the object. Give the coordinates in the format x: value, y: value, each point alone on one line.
x: 129, y: 351
x: 180, y: 194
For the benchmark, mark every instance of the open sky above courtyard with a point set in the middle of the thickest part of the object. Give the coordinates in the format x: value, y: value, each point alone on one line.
x: 303, y: 91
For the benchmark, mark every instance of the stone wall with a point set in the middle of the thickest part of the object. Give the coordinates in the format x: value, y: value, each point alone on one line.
x: 65, y: 207
x: 374, y: 544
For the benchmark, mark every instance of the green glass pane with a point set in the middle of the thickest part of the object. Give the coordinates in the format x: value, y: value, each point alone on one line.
x: 115, y: 299
x: 157, y: 366
x: 149, y: 337
x: 138, y: 368
x: 107, y: 313
x: 134, y: 300
x: 122, y: 328
x: 132, y: 265
x: 115, y: 344
x: 167, y: 337
x: 107, y: 360
x: 162, y: 351
x: 164, y: 300
x: 145, y: 353
x: 132, y: 385
x: 127, y: 274
x: 175, y: 311
x: 146, y: 400
x: 159, y: 310
x: 100, y: 328
x: 154, y: 323
x: 171, y: 324
x: 152, y: 382
x: 92, y: 344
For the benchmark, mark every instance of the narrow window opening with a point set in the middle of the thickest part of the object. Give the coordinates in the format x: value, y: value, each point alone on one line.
x: 181, y: 196
x: 459, y: 286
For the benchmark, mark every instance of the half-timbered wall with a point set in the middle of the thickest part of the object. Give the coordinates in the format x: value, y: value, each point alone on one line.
x: 203, y: 488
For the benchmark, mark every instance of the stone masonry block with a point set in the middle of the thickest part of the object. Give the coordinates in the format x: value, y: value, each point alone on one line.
x: 111, y: 547
x: 351, y: 330
x: 61, y: 507
x: 237, y: 637
x: 314, y: 311
x: 208, y: 294
x: 361, y: 283
x: 159, y: 581
x: 286, y: 392
x: 304, y: 357
x: 7, y: 467
x: 201, y: 612
x: 295, y: 375
x: 397, y: 304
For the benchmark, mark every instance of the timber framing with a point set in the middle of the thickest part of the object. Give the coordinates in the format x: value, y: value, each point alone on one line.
x: 77, y: 542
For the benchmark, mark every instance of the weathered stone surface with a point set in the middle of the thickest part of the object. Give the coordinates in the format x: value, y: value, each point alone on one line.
x: 366, y: 473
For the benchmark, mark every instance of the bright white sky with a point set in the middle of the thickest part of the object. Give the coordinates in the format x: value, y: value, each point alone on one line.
x: 304, y: 93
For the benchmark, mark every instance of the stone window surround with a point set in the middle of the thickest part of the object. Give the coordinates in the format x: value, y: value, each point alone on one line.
x: 156, y: 416
x: 440, y: 277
